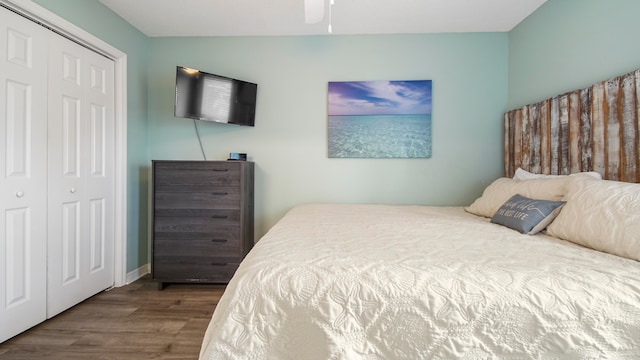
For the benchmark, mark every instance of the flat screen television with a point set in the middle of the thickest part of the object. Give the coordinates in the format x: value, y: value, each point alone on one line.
x: 209, y: 97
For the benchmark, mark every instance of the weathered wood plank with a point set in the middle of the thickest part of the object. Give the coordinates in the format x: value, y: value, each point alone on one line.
x: 563, y: 135
x: 573, y: 135
x: 598, y: 128
x: 526, y: 143
x: 546, y: 137
x: 637, y: 103
x: 586, y: 133
x: 512, y: 135
x: 535, y: 144
x: 555, y: 136
x: 510, y: 120
x: 506, y: 153
x: 612, y: 113
x: 517, y: 142
x: 629, y: 129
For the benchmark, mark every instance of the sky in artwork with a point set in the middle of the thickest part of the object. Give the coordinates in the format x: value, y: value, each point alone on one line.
x: 379, y: 97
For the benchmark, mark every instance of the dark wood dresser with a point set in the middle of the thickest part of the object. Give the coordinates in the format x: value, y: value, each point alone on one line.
x: 202, y: 220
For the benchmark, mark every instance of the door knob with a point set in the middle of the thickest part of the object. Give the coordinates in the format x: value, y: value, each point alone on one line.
x: 19, y: 194
x: 72, y: 190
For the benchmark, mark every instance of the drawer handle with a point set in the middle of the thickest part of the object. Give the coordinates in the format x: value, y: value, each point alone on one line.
x: 218, y: 264
x: 219, y: 217
x: 218, y: 240
x: 220, y: 170
x: 220, y: 193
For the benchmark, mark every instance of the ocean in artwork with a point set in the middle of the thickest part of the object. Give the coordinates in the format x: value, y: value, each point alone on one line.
x: 379, y: 136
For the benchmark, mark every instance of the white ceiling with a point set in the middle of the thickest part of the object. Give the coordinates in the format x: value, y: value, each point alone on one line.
x: 287, y: 17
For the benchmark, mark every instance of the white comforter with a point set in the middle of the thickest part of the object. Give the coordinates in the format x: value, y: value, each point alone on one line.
x: 410, y: 282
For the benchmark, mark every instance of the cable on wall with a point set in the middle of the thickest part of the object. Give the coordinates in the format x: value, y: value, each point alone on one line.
x: 195, y: 124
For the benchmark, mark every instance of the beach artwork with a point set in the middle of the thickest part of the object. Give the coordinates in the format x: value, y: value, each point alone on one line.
x: 379, y: 119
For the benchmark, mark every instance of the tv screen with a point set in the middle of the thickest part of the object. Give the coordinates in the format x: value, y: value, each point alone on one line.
x: 209, y: 97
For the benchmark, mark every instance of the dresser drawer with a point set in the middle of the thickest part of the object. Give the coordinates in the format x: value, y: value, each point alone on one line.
x: 204, y: 245
x: 183, y: 226
x: 220, y: 198
x: 195, y: 269
x: 196, y: 216
x: 194, y: 176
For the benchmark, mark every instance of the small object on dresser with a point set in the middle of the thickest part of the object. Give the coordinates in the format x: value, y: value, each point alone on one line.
x: 238, y: 156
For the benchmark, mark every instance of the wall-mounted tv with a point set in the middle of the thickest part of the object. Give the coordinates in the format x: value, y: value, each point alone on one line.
x: 209, y: 97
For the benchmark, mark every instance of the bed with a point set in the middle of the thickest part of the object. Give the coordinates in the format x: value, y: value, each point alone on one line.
x: 539, y: 266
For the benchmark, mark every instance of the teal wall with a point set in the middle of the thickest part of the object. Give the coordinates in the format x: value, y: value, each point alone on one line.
x: 100, y: 21
x: 571, y: 44
x: 289, y: 141
x: 564, y: 45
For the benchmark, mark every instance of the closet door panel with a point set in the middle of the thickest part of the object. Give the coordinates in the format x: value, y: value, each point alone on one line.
x: 97, y: 238
x: 81, y: 179
x: 18, y: 247
x: 101, y: 167
x: 23, y: 178
x: 71, y: 115
x: 70, y: 243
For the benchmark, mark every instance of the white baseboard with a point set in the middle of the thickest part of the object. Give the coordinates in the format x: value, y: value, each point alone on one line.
x: 137, y: 273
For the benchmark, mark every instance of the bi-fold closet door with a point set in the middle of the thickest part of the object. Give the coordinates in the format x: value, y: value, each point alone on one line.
x: 57, y: 181
x: 23, y: 185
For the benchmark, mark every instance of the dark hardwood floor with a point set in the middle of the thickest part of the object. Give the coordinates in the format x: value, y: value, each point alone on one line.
x: 131, y: 322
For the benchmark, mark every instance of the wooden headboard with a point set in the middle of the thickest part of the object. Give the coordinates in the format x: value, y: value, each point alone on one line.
x: 594, y: 129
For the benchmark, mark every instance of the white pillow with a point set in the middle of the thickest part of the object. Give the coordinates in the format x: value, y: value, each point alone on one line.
x: 602, y: 215
x: 522, y: 174
x: 503, y: 189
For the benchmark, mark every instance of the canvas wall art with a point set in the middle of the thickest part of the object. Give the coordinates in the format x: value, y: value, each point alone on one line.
x: 379, y: 119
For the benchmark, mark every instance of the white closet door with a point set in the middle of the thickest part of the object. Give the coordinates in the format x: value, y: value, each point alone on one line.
x: 81, y: 174
x: 23, y: 181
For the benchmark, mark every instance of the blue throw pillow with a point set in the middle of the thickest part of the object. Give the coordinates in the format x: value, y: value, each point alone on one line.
x: 528, y: 216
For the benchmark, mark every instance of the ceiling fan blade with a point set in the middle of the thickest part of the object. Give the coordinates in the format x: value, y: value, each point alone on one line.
x: 313, y: 11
